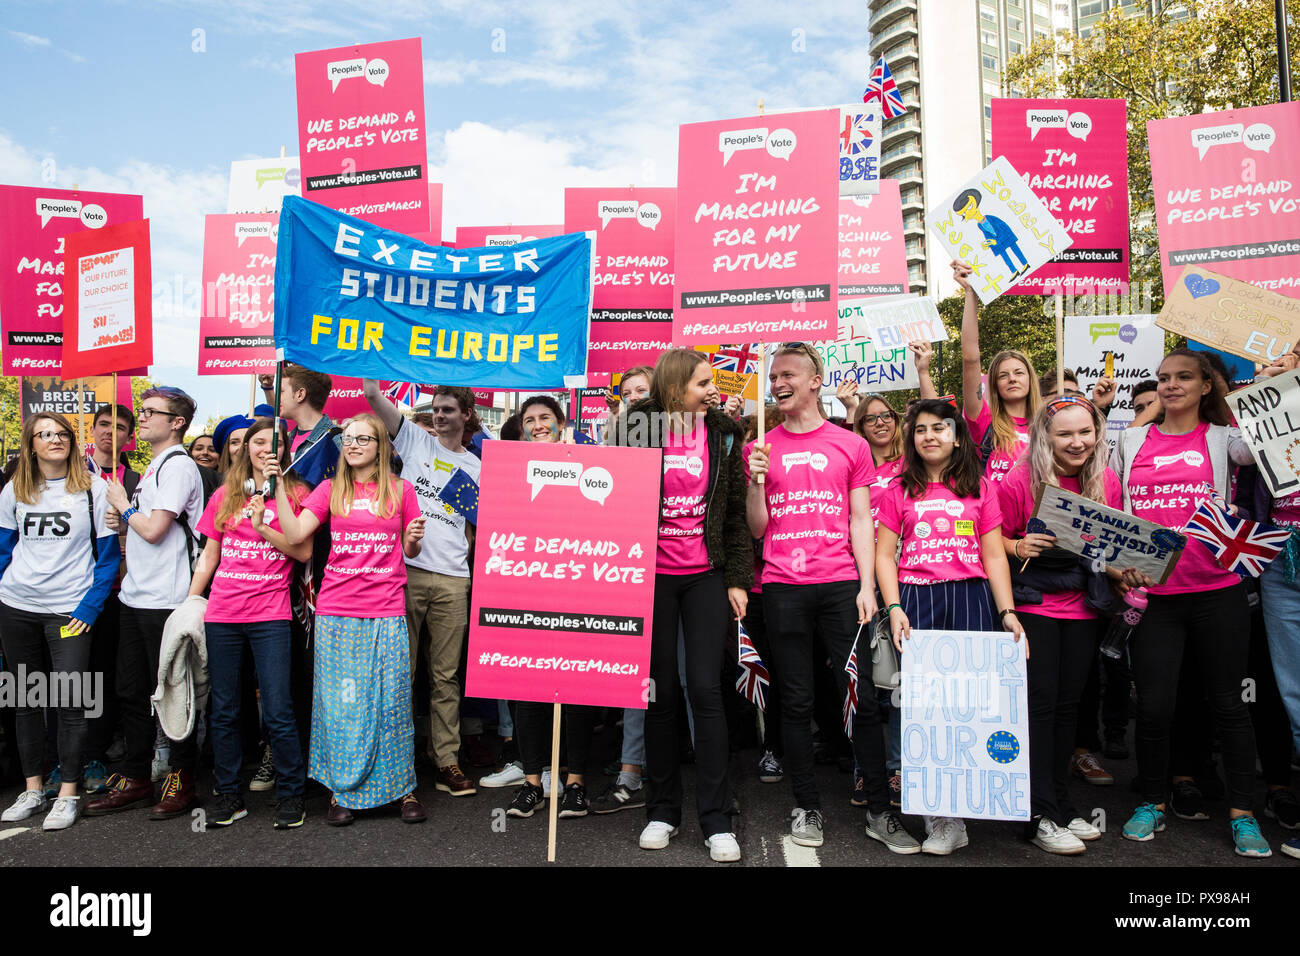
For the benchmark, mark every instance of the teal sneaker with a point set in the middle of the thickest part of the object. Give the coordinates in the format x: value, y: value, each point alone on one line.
x: 94, y: 778
x: 1249, y: 841
x: 1145, y: 823
x: 52, y: 784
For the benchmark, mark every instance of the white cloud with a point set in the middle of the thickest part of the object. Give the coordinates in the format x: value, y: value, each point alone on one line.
x: 505, y: 72
x: 29, y: 39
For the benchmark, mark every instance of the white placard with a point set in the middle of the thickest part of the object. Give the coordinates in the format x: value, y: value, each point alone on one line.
x: 106, y: 299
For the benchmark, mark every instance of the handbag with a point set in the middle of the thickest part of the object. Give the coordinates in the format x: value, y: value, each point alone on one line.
x: 884, y: 658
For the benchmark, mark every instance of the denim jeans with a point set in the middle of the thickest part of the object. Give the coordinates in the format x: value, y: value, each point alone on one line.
x: 1281, y: 603
x: 269, y: 642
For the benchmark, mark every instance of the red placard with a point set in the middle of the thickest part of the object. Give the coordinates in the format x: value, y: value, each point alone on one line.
x: 873, y: 255
x: 107, y: 303
x: 361, y: 137
x: 756, y: 238
x: 237, y: 321
x: 34, y: 223
x: 472, y: 237
x: 631, y: 315
x: 562, y: 609
x: 1074, y: 156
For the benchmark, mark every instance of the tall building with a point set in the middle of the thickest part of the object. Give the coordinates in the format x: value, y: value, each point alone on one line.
x: 1082, y: 15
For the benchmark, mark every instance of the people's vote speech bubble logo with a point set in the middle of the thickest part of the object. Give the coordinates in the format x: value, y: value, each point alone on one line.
x: 254, y: 230
x: 645, y: 213
x: 779, y: 143
x: 92, y: 215
x: 595, y: 483
x: 1258, y: 136
x: 1099, y: 330
x: 1128, y: 333
x: 648, y: 215
x: 375, y: 71
x: 693, y: 465
x: 1078, y: 125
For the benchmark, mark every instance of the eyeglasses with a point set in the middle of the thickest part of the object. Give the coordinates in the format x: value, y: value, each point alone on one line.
x: 882, y: 417
x: 54, y: 436
x: 361, y: 441
x: 148, y: 413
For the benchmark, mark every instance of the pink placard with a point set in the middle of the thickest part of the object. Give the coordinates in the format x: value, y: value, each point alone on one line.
x: 434, y: 236
x: 237, y: 317
x: 361, y: 137
x: 33, y: 224
x: 564, y: 574
x: 346, y: 399
x: 1073, y: 154
x: 471, y: 237
x: 1227, y: 194
x: 873, y: 255
x: 756, y: 238
x: 631, y: 315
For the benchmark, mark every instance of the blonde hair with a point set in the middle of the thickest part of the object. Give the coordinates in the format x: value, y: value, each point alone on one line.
x: 28, y: 480
x: 1005, y: 436
x: 1042, y: 460
x: 240, y: 470
x: 343, y: 491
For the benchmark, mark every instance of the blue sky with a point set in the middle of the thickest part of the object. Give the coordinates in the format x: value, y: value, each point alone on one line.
x: 585, y: 93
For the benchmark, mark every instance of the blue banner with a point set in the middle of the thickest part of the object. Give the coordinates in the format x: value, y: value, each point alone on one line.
x: 354, y: 299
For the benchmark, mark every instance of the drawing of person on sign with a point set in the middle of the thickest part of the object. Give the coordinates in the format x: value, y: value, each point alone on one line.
x: 1000, y: 238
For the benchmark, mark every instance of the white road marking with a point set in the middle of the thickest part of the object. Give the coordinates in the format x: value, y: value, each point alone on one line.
x: 6, y: 834
x: 796, y: 855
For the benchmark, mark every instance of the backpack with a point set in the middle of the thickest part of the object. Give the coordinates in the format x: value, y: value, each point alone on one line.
x: 193, y: 545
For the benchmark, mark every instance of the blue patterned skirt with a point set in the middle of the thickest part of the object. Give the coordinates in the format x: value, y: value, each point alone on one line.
x: 362, y: 737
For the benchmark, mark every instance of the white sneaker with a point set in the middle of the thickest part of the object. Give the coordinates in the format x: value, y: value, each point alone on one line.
x: 723, y: 848
x: 511, y: 775
x: 65, y: 813
x: 28, y: 803
x: 1056, y: 839
x: 1083, y: 829
x: 945, y: 835
x: 656, y: 835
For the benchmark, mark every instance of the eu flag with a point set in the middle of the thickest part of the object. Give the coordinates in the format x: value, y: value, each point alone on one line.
x: 461, y: 492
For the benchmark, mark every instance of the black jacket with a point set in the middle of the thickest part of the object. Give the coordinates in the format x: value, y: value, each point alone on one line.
x: 726, y: 532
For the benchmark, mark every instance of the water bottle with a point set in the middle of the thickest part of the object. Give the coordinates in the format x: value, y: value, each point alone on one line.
x: 1125, y: 623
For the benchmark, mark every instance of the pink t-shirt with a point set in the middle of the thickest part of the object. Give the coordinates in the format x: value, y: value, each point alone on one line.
x: 1000, y: 461
x: 939, y: 531
x: 1016, y: 500
x: 1169, y: 478
x: 808, y: 483
x: 681, y: 513
x: 881, y: 476
x: 365, y: 575
x: 1285, y: 512
x: 252, y: 581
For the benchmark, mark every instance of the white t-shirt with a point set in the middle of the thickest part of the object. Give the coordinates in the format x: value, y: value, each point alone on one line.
x: 158, y: 575
x: 428, y: 465
x: 53, y: 565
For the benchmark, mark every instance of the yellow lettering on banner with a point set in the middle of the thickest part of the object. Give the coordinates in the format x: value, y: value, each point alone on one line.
x: 374, y: 337
x: 497, y: 347
x: 346, y: 342
x: 443, y: 350
x: 474, y: 345
x: 521, y: 342
x: 320, y: 325
x: 420, y: 340
x: 548, y: 347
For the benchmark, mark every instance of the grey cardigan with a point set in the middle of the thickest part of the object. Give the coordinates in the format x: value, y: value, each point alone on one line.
x: 1225, y: 445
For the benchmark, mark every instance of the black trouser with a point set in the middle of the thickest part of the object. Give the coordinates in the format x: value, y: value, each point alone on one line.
x: 137, y: 678
x: 1213, y: 628
x: 27, y: 637
x: 797, y: 615
x: 103, y: 660
x: 1267, y: 712
x: 1061, y: 654
x: 756, y: 627
x: 699, y: 603
x: 533, y: 722
x: 1108, y: 686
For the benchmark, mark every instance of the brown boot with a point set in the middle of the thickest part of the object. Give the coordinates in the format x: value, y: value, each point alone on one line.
x: 177, y: 796
x: 451, y: 780
x: 123, y: 794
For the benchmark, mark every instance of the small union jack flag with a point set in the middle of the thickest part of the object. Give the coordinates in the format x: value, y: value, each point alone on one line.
x: 751, y: 673
x: 857, y: 136
x: 851, y: 698
x: 408, y: 393
x: 882, y: 89
x: 1244, y: 547
x: 736, y: 358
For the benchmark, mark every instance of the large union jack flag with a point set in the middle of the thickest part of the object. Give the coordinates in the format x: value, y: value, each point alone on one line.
x: 851, y: 697
x: 736, y: 358
x: 882, y: 89
x: 1245, y: 547
x: 751, y: 673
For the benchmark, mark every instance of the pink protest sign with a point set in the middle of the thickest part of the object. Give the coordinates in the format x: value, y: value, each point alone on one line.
x: 1227, y: 194
x: 346, y: 399
x: 35, y: 221
x: 873, y: 257
x: 631, y: 315
x: 238, y: 307
x: 756, y: 238
x: 472, y: 237
x: 564, y: 574
x: 434, y: 236
x: 1074, y: 156
x: 361, y: 134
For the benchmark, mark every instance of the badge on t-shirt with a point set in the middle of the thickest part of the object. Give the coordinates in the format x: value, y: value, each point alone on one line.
x: 965, y: 528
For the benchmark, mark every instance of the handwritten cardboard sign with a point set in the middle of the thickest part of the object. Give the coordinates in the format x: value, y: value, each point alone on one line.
x: 1231, y: 315
x: 892, y: 323
x: 1117, y: 538
x: 1268, y: 414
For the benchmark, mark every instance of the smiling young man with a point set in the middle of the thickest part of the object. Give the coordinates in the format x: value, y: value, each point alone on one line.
x: 814, y: 513
x: 159, y: 553
x: 437, y: 579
